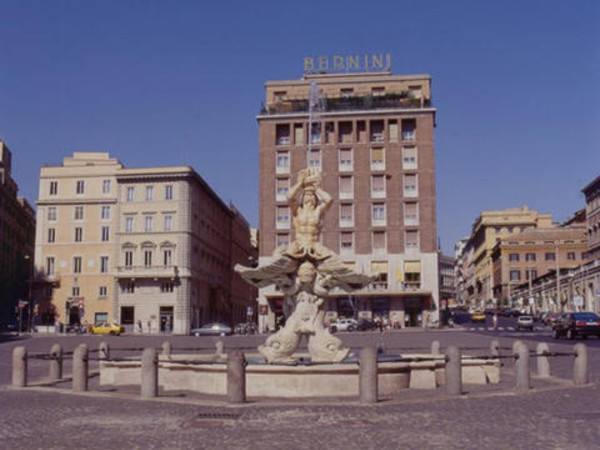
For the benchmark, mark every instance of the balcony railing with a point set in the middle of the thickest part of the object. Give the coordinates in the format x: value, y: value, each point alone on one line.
x: 147, y: 272
x: 402, y: 100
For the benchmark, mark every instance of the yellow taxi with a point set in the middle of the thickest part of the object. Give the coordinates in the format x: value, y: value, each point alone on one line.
x: 478, y: 316
x: 107, y: 328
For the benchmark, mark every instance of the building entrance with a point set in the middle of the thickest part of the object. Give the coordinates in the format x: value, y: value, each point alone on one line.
x: 166, y: 319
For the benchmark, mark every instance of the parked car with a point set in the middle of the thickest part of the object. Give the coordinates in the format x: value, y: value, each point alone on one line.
x: 343, y: 325
x: 477, y: 316
x: 575, y: 324
x: 212, y: 329
x: 550, y: 318
x: 525, y: 323
x: 107, y: 328
x: 366, y: 325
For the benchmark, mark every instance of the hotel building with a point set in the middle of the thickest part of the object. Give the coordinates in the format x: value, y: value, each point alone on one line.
x: 371, y: 136
x: 152, y: 245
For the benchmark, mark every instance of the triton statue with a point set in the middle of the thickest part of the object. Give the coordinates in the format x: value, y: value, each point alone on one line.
x: 305, y: 272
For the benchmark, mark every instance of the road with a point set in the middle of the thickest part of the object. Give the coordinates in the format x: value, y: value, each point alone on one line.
x: 556, y: 417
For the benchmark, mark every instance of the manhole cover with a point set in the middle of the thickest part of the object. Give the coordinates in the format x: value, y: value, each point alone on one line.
x: 211, y: 419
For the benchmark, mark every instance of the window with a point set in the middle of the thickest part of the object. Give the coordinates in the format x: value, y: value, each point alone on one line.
x: 52, y: 213
x: 298, y: 134
x: 105, y: 213
x: 377, y: 159
x: 393, y: 126
x: 346, y: 187
x: 409, y: 127
x: 412, y: 273
x: 378, y: 91
x: 283, y: 216
x: 513, y: 257
x: 149, y: 193
x: 346, y: 215
x: 549, y: 256
x: 102, y: 291
x: 346, y: 241
x: 282, y: 188
x: 75, y: 291
x: 409, y: 158
x: 106, y: 186
x: 571, y: 256
x: 167, y: 286
x: 345, y: 159
x: 129, y: 224
x: 515, y: 275
x: 378, y: 186
x: 128, y: 258
x: 128, y: 288
x: 78, y: 234
x: 410, y: 185
x: 282, y: 240
x: 315, y: 133
x: 533, y: 274
x: 148, y: 223
x: 80, y: 187
x: 148, y: 258
x: 169, y: 192
x: 130, y: 193
x: 53, y: 187
x: 379, y: 271
x: 282, y: 134
x: 314, y: 158
x: 378, y: 240
x: 105, y: 234
x: 77, y: 264
x: 377, y: 131
x: 378, y: 212
x: 167, y: 257
x: 50, y: 266
x: 78, y: 213
x: 411, y: 213
x: 529, y: 256
x: 412, y: 239
x: 51, y: 235
x: 344, y: 132
x: 103, y: 264
x: 346, y: 92
x: 283, y: 162
x: 168, y: 222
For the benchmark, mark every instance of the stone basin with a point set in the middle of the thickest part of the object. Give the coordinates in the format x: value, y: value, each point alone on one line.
x: 207, y: 374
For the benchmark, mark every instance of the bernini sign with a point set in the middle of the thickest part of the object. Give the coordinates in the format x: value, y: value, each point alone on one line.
x: 350, y: 63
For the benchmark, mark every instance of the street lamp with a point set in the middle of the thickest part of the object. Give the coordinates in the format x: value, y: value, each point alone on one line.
x: 29, y: 260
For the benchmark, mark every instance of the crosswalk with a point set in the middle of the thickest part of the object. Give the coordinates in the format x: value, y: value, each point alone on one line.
x: 497, y: 329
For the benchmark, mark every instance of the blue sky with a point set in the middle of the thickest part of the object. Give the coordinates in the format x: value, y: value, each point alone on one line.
x: 516, y: 85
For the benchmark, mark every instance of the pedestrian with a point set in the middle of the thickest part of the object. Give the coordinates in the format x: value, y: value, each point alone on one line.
x: 167, y: 326
x: 495, y: 321
x: 138, y: 327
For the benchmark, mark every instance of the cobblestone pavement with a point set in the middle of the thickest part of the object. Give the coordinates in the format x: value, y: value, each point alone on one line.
x: 553, y: 415
x: 558, y: 419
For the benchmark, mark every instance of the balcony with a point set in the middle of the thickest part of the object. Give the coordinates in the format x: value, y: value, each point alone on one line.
x: 171, y: 272
x: 402, y: 100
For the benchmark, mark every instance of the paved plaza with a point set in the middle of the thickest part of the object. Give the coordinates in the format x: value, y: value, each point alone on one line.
x: 552, y: 415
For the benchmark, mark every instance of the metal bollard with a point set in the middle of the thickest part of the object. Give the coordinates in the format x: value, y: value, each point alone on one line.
x: 495, y: 351
x: 543, y: 362
x: 521, y: 353
x: 80, y: 368
x: 103, y: 351
x: 435, y: 347
x: 166, y: 349
x: 236, y: 377
x: 453, y: 371
x: 149, y: 387
x: 56, y: 363
x: 580, y: 365
x: 19, y: 373
x: 367, y: 375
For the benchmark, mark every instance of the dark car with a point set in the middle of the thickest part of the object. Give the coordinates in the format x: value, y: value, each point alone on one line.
x: 212, y: 329
x: 366, y: 325
x: 575, y: 324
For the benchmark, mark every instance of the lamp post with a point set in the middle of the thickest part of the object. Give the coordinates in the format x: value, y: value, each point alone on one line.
x: 29, y: 296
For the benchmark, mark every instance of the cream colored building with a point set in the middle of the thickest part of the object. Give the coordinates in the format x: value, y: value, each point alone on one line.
x: 154, y: 246
x: 477, y: 271
x: 75, y: 237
